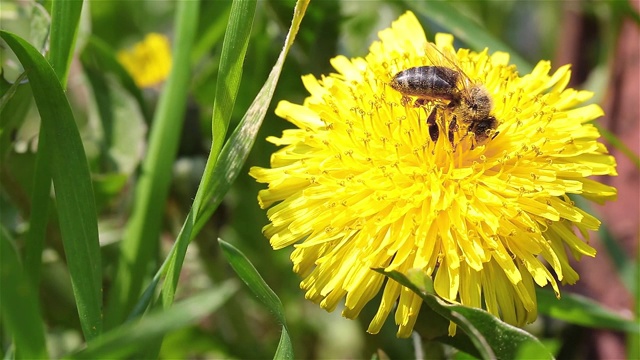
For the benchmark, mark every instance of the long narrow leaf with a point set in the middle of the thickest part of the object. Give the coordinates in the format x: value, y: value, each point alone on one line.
x: 234, y: 48
x: 19, y: 304
x: 126, y: 340
x: 38, y: 218
x: 218, y: 179
x: 65, y: 16
x: 576, y: 309
x: 248, y: 273
x: 140, y: 241
x: 72, y: 183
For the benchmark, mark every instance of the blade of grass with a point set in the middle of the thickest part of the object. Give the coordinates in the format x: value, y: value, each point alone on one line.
x: 217, y: 179
x: 234, y: 49
x: 40, y: 196
x: 14, y: 106
x: 127, y: 339
x: 65, y: 16
x: 140, y: 242
x: 618, y: 144
x: 72, y: 183
x: 233, y: 156
x: 626, y: 266
x: 248, y: 273
x: 213, y: 32
x: 19, y: 304
x: 579, y: 310
x: 465, y: 29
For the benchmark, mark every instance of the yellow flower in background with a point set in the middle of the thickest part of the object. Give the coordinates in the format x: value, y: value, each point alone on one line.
x: 149, y: 61
x: 366, y: 181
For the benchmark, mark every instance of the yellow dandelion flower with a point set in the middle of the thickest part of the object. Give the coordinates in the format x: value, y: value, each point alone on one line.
x: 149, y: 61
x: 365, y: 182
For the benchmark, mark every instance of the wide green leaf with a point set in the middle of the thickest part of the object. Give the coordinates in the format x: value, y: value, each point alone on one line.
x: 491, y: 337
x: 248, y: 273
x: 127, y: 339
x: 72, y: 183
x: 19, y: 304
x: 579, y: 310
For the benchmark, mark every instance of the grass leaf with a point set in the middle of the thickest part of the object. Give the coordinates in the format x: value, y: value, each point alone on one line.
x: 579, y: 310
x: 127, y: 339
x: 140, y: 242
x: 248, y: 273
x: 218, y: 176
x: 72, y: 183
x: 19, y: 304
x: 234, y: 49
x: 65, y: 16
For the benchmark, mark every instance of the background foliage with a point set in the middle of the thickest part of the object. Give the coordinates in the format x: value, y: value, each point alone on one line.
x: 136, y: 179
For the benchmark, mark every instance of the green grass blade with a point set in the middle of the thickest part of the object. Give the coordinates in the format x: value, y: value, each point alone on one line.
x: 217, y: 180
x: 218, y: 176
x: 234, y: 49
x: 465, y: 29
x: 212, y: 33
x: 14, y: 106
x: 626, y: 266
x: 7, y: 95
x: 65, y: 16
x: 19, y: 304
x: 127, y: 339
x: 72, y: 183
x: 140, y: 242
x: 39, y: 211
x: 579, y: 310
x: 618, y: 144
x: 248, y: 273
x: 491, y: 337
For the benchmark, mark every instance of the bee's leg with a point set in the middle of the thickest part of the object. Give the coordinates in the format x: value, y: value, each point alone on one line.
x: 495, y: 134
x: 434, y: 131
x: 420, y: 102
x: 453, y: 128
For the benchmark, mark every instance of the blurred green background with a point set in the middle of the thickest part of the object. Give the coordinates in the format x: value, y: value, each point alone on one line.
x: 588, y: 34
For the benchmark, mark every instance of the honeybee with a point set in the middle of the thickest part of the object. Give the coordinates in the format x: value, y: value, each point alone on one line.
x: 469, y: 103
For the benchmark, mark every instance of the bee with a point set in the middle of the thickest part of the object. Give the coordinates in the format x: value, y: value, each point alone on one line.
x: 469, y: 103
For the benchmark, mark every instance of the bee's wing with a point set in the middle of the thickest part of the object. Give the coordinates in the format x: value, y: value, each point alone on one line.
x: 447, y: 58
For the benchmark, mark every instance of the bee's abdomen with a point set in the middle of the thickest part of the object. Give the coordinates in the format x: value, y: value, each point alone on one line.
x: 431, y: 82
